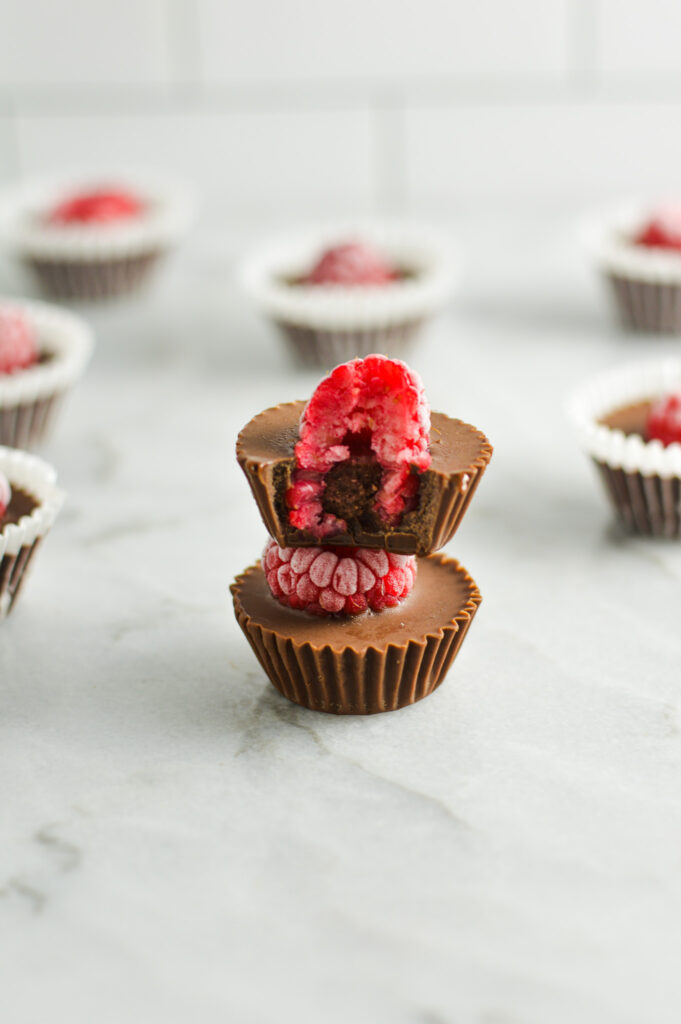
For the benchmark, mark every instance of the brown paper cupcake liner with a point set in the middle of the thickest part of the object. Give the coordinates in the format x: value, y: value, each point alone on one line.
x: 647, y: 505
x: 647, y: 305
x: 25, y: 426
x: 326, y: 348
x: 90, y: 280
x: 460, y: 455
x: 377, y: 662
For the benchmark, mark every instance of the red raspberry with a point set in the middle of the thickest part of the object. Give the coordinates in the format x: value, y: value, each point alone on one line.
x: 664, y: 420
x: 375, y: 401
x: 352, y: 263
x: 5, y: 494
x: 343, y: 581
x: 101, y: 206
x: 18, y: 348
x: 663, y: 230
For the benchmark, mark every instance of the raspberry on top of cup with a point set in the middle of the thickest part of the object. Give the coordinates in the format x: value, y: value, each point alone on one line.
x: 96, y: 206
x: 18, y: 345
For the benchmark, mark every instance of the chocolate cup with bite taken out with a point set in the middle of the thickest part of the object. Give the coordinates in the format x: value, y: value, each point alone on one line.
x: 367, y: 664
x: 459, y: 457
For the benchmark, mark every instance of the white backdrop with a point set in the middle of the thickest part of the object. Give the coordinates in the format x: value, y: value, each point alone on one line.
x: 286, y: 107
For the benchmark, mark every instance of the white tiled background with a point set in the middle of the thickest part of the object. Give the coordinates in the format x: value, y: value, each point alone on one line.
x: 281, y: 107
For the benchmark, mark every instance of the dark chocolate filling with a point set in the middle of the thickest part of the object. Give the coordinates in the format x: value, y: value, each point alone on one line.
x: 21, y: 504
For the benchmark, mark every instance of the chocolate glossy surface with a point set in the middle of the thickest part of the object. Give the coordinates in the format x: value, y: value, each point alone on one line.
x: 442, y: 589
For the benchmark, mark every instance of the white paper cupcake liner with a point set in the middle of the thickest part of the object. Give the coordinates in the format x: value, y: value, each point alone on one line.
x: 645, y: 282
x: 18, y: 541
x: 91, y: 261
x: 642, y: 478
x: 351, y: 313
x: 28, y: 398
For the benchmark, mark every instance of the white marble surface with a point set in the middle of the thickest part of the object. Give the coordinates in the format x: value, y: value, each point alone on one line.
x: 179, y: 843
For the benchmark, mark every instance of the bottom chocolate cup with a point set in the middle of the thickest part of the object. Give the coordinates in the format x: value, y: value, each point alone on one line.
x: 314, y: 346
x: 91, y: 280
x: 647, y: 305
x: 361, y: 666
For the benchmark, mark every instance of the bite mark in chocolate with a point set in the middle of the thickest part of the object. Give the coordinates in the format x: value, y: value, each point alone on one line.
x: 459, y: 457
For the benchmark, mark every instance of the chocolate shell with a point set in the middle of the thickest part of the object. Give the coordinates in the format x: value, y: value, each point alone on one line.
x: 460, y: 453
x: 363, y: 665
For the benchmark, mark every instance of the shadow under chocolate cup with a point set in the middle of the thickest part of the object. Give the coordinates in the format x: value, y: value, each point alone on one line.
x: 30, y: 398
x: 459, y: 457
x: 367, y: 664
x: 32, y: 510
x: 642, y: 479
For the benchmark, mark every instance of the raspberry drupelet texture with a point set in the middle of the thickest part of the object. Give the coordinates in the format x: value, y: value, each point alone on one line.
x: 342, y: 581
x: 352, y: 263
x: 371, y: 408
x: 664, y: 420
x: 101, y: 206
x: 5, y: 494
x: 18, y: 348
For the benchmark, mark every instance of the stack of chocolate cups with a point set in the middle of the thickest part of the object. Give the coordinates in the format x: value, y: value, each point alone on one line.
x: 377, y: 661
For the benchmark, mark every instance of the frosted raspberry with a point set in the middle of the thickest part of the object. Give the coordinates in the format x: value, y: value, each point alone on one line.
x: 100, y: 206
x: 18, y: 348
x: 374, y: 406
x: 344, y: 581
x: 664, y: 420
x: 5, y: 494
x: 352, y: 263
x: 663, y: 230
